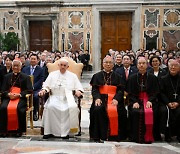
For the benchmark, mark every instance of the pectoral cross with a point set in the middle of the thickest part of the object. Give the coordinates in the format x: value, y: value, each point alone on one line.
x: 175, y: 95
x: 142, y: 86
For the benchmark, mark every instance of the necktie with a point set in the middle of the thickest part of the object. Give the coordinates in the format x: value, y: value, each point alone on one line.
x: 126, y: 73
x: 42, y: 64
x: 32, y: 70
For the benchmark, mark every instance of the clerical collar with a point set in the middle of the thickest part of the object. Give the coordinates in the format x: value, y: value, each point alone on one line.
x: 16, y: 74
x: 107, y: 77
x: 107, y: 72
x: 140, y: 74
x: 174, y: 76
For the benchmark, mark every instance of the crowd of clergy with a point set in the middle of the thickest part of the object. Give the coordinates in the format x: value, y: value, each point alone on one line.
x: 136, y: 96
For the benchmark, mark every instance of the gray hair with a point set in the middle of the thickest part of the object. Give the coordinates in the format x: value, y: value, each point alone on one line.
x: 16, y: 60
x: 107, y: 57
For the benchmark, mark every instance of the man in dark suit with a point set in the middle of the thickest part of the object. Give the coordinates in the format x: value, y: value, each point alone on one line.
x: 38, y: 75
x: 126, y: 70
x: 118, y: 62
x: 42, y: 62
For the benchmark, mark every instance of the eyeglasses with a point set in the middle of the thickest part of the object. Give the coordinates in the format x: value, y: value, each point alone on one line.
x: 108, y: 62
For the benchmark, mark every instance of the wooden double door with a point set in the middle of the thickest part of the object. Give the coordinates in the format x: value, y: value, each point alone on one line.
x: 115, y: 31
x: 40, y: 35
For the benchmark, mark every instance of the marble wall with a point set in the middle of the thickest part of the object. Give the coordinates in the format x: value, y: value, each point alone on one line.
x: 77, y: 26
x: 161, y: 27
x: 75, y: 29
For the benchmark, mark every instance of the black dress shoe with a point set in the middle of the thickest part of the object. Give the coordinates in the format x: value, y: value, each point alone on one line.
x: 46, y: 136
x: 178, y: 138
x: 35, y: 118
x: 3, y: 135
x: 168, y: 139
x: 18, y: 134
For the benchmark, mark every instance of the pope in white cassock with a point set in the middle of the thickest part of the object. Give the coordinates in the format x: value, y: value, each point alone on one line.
x: 60, y: 115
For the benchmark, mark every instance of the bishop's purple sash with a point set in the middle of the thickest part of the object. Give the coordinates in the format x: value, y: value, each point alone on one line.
x: 148, y: 112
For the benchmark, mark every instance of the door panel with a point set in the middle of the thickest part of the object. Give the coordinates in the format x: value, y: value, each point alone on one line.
x: 40, y: 35
x: 115, y: 32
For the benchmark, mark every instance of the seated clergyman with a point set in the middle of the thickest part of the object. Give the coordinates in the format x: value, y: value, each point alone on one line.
x: 108, y: 115
x: 170, y: 105
x: 13, y: 107
x: 143, y: 88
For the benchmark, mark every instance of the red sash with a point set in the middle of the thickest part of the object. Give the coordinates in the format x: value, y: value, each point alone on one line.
x: 12, y: 111
x: 111, y: 109
x: 148, y: 112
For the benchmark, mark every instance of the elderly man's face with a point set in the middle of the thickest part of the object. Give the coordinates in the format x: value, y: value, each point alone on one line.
x: 174, y: 67
x: 63, y: 66
x: 108, y: 64
x: 16, y: 67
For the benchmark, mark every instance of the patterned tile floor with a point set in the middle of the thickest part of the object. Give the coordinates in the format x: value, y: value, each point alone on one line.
x: 33, y: 142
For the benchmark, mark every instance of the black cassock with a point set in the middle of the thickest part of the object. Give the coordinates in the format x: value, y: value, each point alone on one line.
x: 23, y: 82
x: 170, y: 92
x: 137, y: 84
x: 99, y: 121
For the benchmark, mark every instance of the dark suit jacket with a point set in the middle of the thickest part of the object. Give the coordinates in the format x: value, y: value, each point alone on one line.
x: 39, y: 63
x: 161, y: 73
x: 38, y: 76
x: 3, y: 72
x: 121, y: 72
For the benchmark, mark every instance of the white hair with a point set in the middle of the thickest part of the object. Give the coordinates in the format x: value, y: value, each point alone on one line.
x: 16, y: 60
x: 63, y: 60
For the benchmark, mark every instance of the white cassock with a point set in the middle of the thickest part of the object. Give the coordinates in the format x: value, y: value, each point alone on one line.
x: 61, y: 112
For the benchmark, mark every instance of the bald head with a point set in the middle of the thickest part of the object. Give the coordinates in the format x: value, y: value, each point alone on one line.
x: 142, y: 65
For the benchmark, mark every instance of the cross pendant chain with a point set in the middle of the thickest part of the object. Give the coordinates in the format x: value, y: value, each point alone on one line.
x: 174, y: 89
x: 175, y: 95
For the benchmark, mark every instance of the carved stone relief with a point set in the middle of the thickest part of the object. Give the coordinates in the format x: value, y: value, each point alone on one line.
x: 172, y: 17
x: 171, y: 40
x: 151, y: 38
x: 75, y: 41
x: 11, y: 21
x: 151, y: 18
